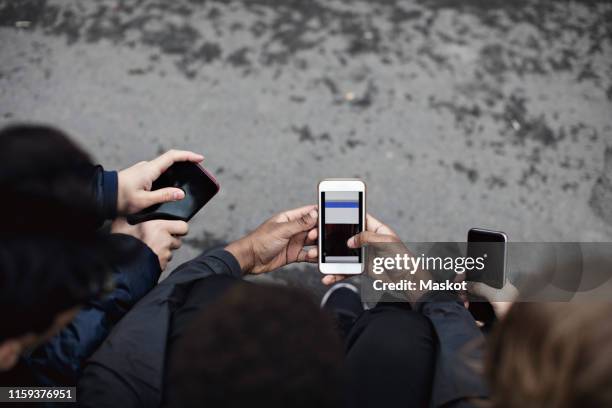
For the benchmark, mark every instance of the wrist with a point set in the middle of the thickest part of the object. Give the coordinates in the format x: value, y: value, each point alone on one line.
x: 501, y: 308
x: 243, y: 252
x: 122, y: 201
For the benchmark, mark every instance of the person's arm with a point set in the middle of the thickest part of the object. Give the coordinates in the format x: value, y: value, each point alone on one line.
x: 130, y: 363
x: 461, y: 350
x: 218, y: 261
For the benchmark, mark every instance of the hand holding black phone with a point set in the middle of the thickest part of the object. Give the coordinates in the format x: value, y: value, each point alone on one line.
x: 198, y: 185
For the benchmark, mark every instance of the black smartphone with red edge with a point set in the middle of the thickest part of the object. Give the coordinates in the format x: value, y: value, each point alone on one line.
x: 198, y: 184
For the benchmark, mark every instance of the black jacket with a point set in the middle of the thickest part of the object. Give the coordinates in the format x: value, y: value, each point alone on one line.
x: 128, y: 369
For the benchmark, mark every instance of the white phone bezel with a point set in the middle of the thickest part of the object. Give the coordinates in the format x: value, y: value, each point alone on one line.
x: 340, y: 185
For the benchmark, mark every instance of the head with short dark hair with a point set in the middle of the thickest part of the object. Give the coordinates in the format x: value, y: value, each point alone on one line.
x: 43, y: 172
x: 51, y: 257
x: 267, y: 346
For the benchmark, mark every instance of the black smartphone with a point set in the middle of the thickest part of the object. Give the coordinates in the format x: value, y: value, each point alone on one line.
x: 491, y: 246
x: 197, y: 183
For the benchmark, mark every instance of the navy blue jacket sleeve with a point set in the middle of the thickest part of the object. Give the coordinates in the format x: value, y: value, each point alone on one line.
x: 461, y: 348
x: 59, y: 361
x: 105, y: 186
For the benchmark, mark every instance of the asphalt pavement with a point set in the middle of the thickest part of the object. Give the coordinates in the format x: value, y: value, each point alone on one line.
x: 456, y: 114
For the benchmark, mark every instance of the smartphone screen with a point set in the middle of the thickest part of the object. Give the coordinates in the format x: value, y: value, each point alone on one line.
x: 491, y: 245
x: 199, y: 187
x: 341, y: 219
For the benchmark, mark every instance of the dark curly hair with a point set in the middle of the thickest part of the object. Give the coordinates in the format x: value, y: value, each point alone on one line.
x: 263, y: 346
x: 51, y: 256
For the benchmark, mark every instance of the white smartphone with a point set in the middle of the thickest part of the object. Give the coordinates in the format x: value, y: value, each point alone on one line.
x: 341, y: 215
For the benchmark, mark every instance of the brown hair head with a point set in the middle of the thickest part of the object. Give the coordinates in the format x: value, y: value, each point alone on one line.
x: 552, y: 355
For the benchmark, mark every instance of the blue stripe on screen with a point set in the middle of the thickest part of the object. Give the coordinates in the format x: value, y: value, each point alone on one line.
x: 341, y: 204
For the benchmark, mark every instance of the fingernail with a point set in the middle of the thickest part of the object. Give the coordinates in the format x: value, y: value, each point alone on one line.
x: 314, y: 214
x: 351, y: 242
x: 178, y: 195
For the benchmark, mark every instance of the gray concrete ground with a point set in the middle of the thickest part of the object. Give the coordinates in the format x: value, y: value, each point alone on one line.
x: 456, y: 114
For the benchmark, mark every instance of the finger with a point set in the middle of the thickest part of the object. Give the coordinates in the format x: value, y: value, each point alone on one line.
x: 309, y: 240
x: 365, y: 237
x: 163, y: 195
x: 305, y: 256
x: 302, y: 224
x: 328, y: 280
x: 175, y: 243
x: 176, y: 227
x: 313, y: 234
x: 481, y: 289
x: 331, y: 279
x: 374, y: 225
x: 163, y: 262
x: 459, y: 277
x: 161, y: 163
x: 313, y: 253
x: 292, y: 215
